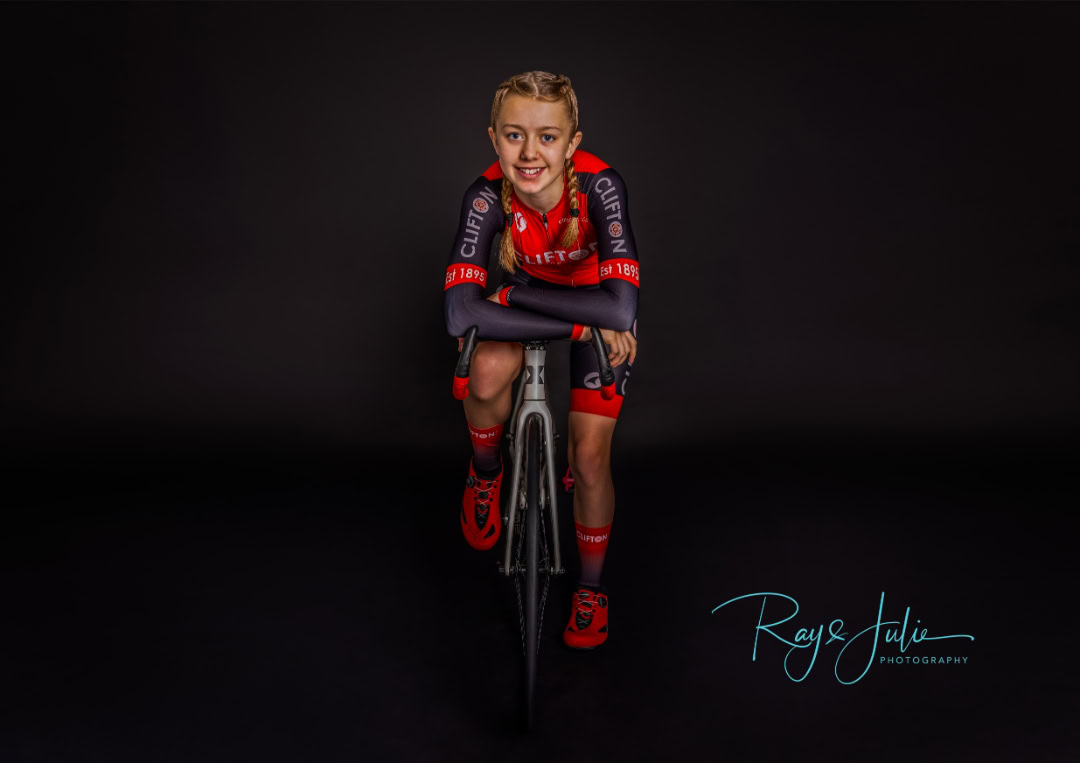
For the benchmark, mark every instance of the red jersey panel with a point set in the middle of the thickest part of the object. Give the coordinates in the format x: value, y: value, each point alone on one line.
x: 538, y: 236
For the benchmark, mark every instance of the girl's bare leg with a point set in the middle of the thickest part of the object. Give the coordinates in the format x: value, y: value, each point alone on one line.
x: 589, y: 452
x: 494, y: 367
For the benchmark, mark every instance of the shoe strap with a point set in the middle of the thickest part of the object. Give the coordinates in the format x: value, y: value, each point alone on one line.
x: 586, y: 599
x: 482, y: 505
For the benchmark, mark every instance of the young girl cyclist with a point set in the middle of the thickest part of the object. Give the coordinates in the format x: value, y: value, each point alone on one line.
x: 569, y: 254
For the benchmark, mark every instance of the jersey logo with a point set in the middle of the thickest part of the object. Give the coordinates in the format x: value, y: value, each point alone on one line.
x: 456, y: 274
x: 626, y: 269
x: 480, y: 205
x: 519, y: 221
x: 615, y: 229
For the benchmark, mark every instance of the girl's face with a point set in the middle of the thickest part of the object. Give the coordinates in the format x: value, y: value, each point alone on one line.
x: 533, y: 141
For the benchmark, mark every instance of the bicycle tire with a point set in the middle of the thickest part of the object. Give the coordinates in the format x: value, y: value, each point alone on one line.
x: 532, y: 563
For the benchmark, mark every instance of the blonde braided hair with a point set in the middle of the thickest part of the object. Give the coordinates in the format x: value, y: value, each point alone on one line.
x: 542, y: 86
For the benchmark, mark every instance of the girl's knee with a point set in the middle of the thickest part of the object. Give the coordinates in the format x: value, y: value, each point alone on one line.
x: 493, y: 368
x: 590, y: 460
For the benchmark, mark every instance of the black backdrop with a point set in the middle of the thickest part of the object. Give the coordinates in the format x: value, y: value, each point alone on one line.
x: 227, y: 226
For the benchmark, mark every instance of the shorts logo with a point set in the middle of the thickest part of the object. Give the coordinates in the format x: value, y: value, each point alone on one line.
x: 615, y: 229
x: 480, y: 205
x: 519, y: 221
x: 592, y: 381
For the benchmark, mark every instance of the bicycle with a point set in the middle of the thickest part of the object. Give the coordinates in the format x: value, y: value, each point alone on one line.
x: 527, y: 554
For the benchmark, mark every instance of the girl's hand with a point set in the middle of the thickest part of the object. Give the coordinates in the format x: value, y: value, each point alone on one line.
x: 622, y: 345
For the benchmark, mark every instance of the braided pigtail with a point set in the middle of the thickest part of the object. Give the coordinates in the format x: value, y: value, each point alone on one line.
x: 506, y: 250
x: 571, y: 234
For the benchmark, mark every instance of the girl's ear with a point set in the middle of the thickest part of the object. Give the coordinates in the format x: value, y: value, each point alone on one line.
x: 574, y: 141
x: 494, y: 143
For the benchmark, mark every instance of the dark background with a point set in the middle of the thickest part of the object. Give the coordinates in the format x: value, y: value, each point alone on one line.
x: 232, y: 456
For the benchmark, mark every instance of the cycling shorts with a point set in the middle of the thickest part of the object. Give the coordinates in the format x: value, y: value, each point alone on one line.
x: 585, y: 381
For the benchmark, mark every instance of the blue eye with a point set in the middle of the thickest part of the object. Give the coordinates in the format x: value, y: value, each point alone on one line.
x: 549, y: 136
x: 513, y: 135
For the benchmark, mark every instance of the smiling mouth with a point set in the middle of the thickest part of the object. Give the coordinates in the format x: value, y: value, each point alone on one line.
x: 529, y: 172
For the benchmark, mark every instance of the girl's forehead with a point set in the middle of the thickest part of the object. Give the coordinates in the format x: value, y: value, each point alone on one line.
x: 529, y: 112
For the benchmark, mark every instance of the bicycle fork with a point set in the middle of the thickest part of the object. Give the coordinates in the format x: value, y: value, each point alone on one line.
x: 532, y: 401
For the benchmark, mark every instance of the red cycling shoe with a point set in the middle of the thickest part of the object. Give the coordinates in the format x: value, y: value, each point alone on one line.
x: 480, y: 521
x: 588, y: 619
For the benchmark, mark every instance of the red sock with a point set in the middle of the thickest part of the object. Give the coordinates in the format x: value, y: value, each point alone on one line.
x: 592, y: 545
x: 485, y: 443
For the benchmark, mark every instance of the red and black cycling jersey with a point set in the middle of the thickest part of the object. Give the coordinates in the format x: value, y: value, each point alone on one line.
x: 555, y: 290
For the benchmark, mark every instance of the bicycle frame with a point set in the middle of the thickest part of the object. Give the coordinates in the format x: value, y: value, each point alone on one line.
x: 531, y: 400
x: 531, y: 405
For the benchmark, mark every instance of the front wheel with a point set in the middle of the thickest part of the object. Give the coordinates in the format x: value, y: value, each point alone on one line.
x: 532, y: 563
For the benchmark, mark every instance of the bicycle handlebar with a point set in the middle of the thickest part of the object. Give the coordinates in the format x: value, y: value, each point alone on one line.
x: 461, y: 371
x: 607, y: 376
